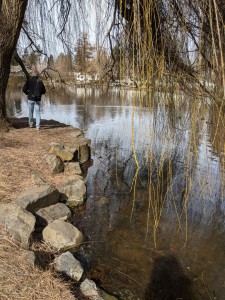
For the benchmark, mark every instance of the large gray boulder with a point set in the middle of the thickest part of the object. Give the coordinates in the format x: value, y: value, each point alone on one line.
x: 17, y: 221
x: 54, y: 162
x: 37, y: 197
x: 49, y: 214
x: 64, y: 154
x: 73, y: 191
x: 62, y: 236
x: 67, y: 264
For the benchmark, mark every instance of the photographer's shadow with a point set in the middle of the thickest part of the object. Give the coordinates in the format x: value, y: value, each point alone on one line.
x: 168, y: 281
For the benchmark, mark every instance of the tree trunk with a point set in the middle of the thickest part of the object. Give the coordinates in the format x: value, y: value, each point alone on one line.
x: 11, y: 18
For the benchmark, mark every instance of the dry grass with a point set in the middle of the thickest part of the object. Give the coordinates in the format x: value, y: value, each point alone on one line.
x: 18, y: 280
x: 22, y: 150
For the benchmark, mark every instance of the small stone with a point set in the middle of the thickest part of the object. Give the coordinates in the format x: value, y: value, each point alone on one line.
x: 59, y: 150
x: 49, y: 214
x: 107, y: 296
x: 37, y: 197
x: 73, y: 167
x: 84, y: 150
x: 90, y: 290
x: 54, y: 162
x: 62, y: 236
x: 73, y: 192
x: 17, y: 221
x: 67, y: 264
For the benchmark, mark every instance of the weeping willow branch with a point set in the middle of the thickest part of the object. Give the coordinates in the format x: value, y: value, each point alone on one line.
x: 176, y: 36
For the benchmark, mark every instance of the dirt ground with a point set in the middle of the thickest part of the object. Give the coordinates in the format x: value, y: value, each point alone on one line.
x: 22, y: 150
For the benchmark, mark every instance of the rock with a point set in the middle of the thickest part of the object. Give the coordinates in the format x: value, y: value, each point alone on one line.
x: 55, y: 163
x: 64, y: 154
x: 76, y: 133
x: 67, y: 264
x: 90, y: 290
x: 38, y: 177
x: 62, y: 236
x: 73, y: 192
x: 73, y: 167
x: 17, y: 221
x: 49, y: 214
x: 84, y: 150
x: 37, y: 197
x: 29, y: 257
x: 107, y: 296
x: 73, y: 150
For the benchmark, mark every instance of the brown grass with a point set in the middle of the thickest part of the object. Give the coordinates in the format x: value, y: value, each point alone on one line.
x: 22, y: 150
x: 18, y: 280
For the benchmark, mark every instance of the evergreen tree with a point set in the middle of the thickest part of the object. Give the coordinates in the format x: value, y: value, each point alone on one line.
x: 84, y: 53
x: 64, y: 63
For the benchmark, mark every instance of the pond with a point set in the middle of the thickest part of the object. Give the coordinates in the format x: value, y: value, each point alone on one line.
x: 154, y: 218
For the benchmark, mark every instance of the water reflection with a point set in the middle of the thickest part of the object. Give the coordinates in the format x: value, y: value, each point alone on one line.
x: 173, y: 204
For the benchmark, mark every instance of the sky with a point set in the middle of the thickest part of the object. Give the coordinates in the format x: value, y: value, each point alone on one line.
x: 42, y: 21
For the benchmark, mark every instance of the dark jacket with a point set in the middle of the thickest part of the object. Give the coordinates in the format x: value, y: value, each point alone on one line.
x: 34, y: 88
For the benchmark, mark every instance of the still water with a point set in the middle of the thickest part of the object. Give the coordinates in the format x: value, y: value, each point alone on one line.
x: 155, y: 212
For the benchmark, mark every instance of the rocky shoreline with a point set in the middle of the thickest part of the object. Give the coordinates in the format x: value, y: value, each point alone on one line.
x: 48, y: 209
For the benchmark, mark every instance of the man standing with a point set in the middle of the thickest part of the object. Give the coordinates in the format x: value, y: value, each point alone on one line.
x: 34, y: 88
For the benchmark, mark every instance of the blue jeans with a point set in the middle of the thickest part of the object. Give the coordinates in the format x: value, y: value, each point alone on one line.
x: 34, y: 105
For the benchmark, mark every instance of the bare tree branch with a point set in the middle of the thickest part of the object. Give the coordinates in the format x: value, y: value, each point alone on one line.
x: 20, y: 62
x: 32, y: 43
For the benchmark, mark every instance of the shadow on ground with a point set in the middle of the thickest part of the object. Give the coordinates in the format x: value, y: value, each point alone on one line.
x: 20, y: 123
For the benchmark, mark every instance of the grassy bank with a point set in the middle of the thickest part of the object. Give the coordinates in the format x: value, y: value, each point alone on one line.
x: 21, y: 153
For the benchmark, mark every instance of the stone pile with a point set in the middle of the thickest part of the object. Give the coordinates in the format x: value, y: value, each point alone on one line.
x: 49, y: 207
x: 70, y: 156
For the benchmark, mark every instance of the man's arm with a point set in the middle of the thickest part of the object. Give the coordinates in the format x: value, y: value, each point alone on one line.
x: 26, y: 87
x: 43, y: 90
